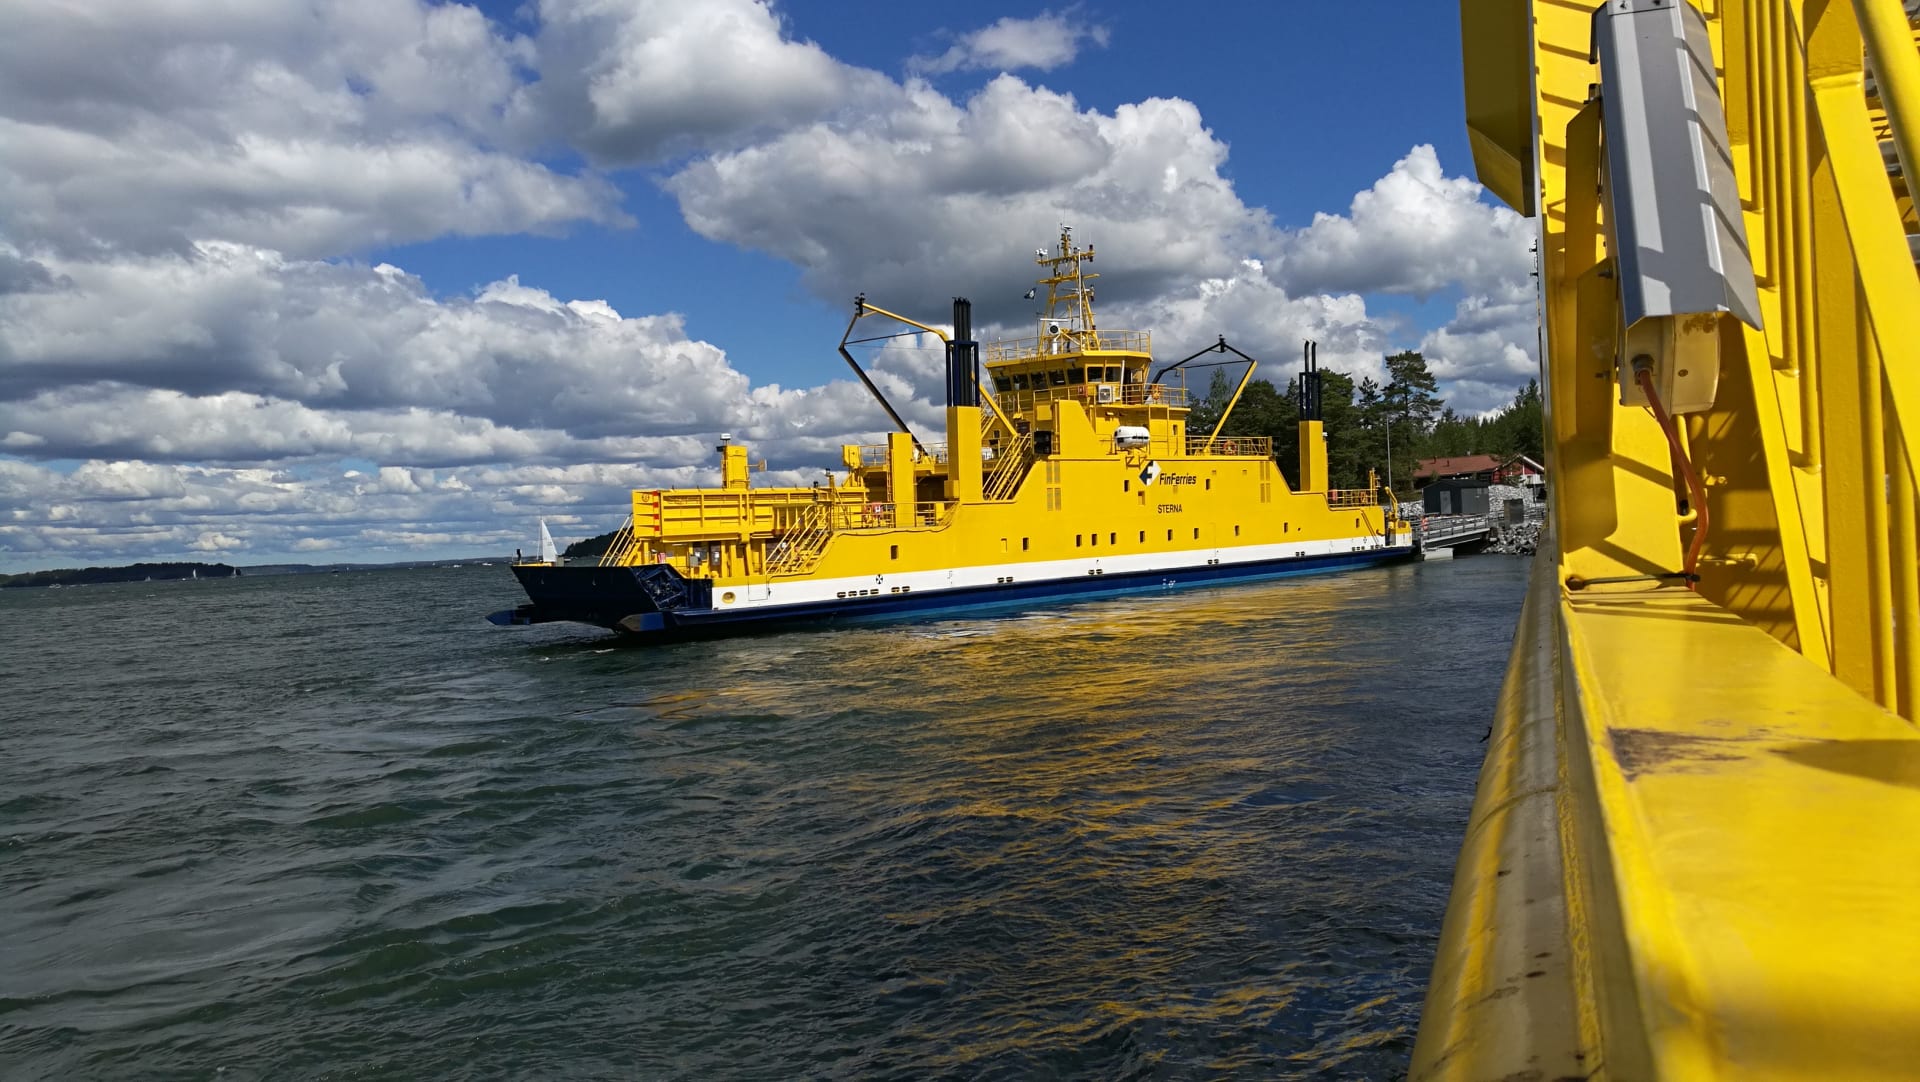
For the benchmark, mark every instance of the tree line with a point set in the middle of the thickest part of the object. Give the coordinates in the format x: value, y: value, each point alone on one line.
x: 1363, y: 419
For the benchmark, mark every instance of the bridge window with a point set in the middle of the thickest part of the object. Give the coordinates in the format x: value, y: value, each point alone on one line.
x: 1002, y: 384
x: 1019, y: 381
x: 1058, y: 378
x: 1075, y: 375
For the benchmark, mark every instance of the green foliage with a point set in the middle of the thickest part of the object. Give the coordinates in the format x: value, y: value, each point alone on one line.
x: 1360, y: 418
x: 592, y: 547
x: 88, y: 576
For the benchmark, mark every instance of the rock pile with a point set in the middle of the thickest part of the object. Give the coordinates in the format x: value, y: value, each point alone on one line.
x: 1518, y: 540
x: 1505, y: 537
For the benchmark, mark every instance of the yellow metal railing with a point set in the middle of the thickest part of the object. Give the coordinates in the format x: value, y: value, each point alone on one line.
x: 1117, y: 394
x: 624, y: 549
x: 1352, y: 497
x: 1018, y: 349
x: 799, y: 547
x: 1697, y: 817
x: 1009, y: 466
x: 1232, y: 446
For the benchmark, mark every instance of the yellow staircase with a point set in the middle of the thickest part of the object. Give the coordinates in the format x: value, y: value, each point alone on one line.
x: 801, y: 545
x: 1009, y: 467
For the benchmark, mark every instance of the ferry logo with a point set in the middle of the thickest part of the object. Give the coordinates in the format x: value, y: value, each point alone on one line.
x: 1148, y: 475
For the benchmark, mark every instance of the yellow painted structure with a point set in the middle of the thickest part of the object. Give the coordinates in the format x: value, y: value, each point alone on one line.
x: 1695, y: 850
x: 1078, y: 454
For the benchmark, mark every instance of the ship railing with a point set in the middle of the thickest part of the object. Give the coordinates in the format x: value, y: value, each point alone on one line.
x: 880, y: 516
x: 1068, y: 341
x: 1097, y: 394
x: 1352, y: 497
x: 874, y: 455
x: 1010, y: 464
x: 677, y: 515
x: 1236, y: 446
x: 625, y: 547
x: 799, y: 548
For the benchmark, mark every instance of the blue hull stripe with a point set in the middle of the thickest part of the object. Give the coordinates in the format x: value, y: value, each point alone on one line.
x: 704, y: 622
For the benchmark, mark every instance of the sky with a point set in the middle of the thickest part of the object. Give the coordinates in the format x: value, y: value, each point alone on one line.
x: 360, y: 280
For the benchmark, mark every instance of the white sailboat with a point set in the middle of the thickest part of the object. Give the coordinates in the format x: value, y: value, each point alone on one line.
x: 549, y: 553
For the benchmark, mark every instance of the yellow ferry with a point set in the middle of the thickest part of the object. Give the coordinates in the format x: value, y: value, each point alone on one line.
x: 1073, y: 472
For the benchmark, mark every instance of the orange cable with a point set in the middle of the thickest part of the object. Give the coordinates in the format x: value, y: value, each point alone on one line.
x: 1696, y: 492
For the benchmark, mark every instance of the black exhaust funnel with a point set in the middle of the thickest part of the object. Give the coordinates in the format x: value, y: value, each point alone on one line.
x: 963, y: 358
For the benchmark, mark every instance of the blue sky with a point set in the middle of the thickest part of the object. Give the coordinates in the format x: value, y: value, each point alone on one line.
x: 386, y: 279
x: 1315, y: 100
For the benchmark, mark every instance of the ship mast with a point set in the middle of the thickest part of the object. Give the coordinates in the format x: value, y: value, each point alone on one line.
x: 1069, y: 311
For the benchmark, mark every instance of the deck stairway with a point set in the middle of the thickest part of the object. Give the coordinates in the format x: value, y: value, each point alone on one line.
x: 800, y: 547
x: 1009, y: 467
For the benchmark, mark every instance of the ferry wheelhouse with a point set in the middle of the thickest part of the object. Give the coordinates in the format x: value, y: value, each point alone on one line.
x: 1069, y: 469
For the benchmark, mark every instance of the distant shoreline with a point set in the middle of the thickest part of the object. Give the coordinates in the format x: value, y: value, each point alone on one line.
x: 183, y: 571
x: 91, y: 576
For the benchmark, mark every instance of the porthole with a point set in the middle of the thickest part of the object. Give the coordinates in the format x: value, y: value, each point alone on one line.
x: 727, y: 598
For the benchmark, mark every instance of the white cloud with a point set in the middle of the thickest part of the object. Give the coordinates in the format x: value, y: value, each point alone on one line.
x: 638, y: 80
x: 312, y: 129
x: 930, y: 198
x: 1044, y: 42
x: 1415, y: 231
x: 177, y: 311
x: 340, y: 336
x: 1490, y: 347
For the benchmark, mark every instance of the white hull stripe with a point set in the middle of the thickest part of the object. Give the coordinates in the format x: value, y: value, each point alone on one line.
x: 803, y: 591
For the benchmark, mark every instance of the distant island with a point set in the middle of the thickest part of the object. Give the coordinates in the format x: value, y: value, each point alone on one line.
x: 174, y: 572
x: 592, y: 546
x: 89, y: 576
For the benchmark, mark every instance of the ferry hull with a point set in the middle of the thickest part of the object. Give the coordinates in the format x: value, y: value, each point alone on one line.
x: 640, y: 601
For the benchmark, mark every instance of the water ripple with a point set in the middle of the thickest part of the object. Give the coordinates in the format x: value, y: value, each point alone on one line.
x: 337, y: 827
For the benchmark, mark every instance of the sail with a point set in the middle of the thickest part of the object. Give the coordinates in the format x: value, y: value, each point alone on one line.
x: 548, y: 553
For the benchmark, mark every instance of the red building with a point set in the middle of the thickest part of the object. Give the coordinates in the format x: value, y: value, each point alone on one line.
x: 1489, y: 469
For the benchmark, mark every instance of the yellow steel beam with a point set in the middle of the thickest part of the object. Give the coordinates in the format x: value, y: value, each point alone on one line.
x: 1495, y: 57
x: 1726, y: 888
x: 1245, y: 378
x: 1725, y: 885
x: 1508, y: 928
x: 986, y: 393
x: 1874, y: 230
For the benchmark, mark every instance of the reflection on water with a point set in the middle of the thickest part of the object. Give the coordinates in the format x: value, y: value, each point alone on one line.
x: 338, y: 825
